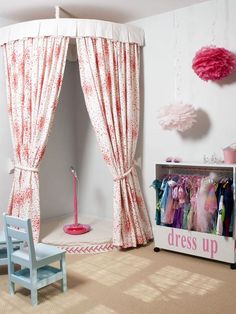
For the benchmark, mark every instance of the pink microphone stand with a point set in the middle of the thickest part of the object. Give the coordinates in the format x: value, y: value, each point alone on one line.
x: 76, y: 228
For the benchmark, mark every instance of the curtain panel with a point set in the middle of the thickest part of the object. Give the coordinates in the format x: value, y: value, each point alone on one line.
x: 109, y: 73
x: 34, y: 72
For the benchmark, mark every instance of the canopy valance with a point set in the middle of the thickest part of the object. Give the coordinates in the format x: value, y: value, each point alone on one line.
x: 73, y: 28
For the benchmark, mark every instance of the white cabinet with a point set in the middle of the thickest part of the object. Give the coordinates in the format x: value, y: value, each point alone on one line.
x: 201, y: 244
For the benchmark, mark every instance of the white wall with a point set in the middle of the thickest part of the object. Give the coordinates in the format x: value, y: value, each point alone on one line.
x: 195, y: 26
x: 5, y: 143
x: 56, y: 185
x: 95, y: 181
x: 73, y: 143
x: 5, y: 137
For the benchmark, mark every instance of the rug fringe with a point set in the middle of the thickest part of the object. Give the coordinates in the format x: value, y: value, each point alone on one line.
x: 89, y: 249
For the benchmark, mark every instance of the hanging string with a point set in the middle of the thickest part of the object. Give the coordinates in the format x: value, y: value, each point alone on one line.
x: 177, y: 74
x: 174, y: 63
x: 177, y: 116
x: 226, y: 15
x: 213, y: 25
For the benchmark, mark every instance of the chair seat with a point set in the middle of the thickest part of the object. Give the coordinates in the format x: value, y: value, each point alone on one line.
x: 42, y: 251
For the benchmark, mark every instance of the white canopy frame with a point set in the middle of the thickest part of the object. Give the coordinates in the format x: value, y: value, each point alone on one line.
x: 72, y: 28
x: 138, y: 226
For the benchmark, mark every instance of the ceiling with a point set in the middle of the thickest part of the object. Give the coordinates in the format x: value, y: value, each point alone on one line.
x: 120, y: 11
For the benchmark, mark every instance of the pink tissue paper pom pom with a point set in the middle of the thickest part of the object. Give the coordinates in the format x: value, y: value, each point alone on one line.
x: 180, y: 117
x: 212, y: 63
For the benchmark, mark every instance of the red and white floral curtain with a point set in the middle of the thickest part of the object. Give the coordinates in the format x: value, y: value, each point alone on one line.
x: 34, y: 71
x: 110, y: 82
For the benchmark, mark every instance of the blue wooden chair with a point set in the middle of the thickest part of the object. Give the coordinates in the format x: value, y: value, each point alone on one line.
x: 35, y: 259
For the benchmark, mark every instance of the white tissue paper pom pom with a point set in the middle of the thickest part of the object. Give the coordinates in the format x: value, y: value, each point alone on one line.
x: 179, y: 116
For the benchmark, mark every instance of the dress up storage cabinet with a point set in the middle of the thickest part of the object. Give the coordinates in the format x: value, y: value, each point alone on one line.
x: 206, y: 245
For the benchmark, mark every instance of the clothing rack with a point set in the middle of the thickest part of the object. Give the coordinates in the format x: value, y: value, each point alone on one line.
x: 197, y: 243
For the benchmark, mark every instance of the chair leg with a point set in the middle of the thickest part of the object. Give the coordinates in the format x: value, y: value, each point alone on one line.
x: 34, y: 297
x: 64, y: 279
x: 11, y: 284
x: 34, y: 291
x: 11, y: 287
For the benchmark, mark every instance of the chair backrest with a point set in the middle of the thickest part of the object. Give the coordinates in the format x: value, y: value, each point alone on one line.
x: 19, y: 229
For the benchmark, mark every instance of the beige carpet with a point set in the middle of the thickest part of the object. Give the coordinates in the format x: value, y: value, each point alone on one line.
x: 137, y: 281
x: 98, y: 240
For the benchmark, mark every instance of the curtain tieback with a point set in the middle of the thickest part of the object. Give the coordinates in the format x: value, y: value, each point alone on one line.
x: 124, y: 175
x: 26, y: 168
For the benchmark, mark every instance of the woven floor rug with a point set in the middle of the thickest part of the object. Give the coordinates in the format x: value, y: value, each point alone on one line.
x: 98, y: 240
